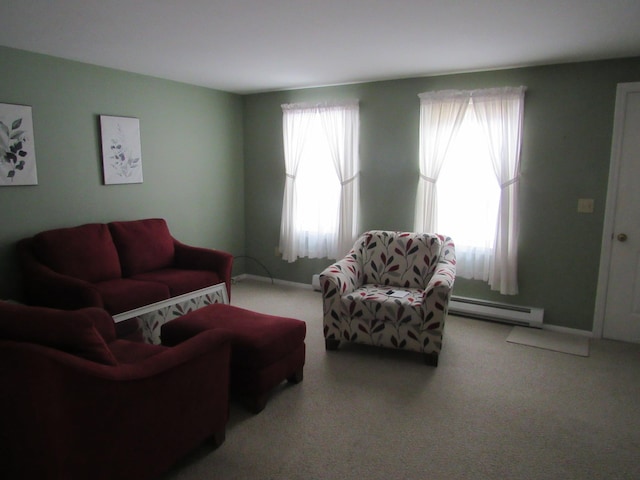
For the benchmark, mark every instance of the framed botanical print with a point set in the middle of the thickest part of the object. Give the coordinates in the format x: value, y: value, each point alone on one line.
x: 17, y: 146
x: 121, y: 150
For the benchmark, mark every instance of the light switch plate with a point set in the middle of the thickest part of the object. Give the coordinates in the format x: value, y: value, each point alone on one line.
x: 585, y: 205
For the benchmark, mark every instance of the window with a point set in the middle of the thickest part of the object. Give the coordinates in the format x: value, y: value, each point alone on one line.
x: 467, y: 199
x: 317, y: 193
x: 320, y: 210
x: 469, y: 176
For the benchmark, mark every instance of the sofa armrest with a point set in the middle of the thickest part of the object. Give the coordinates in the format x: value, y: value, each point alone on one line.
x: 102, y: 321
x: 169, y: 403
x: 45, y: 287
x: 199, y: 258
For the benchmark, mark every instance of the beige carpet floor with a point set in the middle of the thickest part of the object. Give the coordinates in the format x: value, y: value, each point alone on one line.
x: 491, y: 410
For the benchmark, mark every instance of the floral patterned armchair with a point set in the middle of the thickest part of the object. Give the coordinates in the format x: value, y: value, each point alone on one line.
x: 392, y: 290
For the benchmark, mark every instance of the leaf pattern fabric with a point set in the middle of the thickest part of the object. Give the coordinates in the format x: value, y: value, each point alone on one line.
x: 358, y: 301
x: 152, y: 322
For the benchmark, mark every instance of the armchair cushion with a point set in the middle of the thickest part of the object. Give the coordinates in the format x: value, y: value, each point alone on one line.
x: 70, y: 331
x: 401, y: 259
x: 143, y: 245
x: 85, y: 252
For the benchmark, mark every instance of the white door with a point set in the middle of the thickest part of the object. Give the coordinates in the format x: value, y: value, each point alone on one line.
x: 620, y: 305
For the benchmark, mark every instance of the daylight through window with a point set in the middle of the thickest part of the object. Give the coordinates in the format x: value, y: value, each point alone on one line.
x: 320, y: 210
x: 469, y: 161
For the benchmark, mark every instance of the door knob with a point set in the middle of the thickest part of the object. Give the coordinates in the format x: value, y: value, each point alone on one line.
x: 622, y: 237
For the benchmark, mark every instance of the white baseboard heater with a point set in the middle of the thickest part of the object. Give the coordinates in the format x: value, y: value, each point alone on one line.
x: 497, y: 312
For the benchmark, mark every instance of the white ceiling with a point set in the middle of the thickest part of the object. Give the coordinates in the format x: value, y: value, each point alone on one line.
x: 248, y: 46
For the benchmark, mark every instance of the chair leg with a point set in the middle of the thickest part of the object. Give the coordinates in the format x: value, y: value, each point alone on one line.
x: 331, y: 343
x: 431, y: 359
x: 256, y: 403
x: 296, y: 377
x: 219, y: 438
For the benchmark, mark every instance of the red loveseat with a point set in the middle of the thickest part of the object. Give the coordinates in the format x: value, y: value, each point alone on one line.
x: 118, y: 266
x: 77, y: 403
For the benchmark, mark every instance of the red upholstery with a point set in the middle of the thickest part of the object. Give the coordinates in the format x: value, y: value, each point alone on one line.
x: 265, y: 349
x: 259, y: 381
x: 118, y: 266
x: 68, y: 417
x: 143, y: 246
x: 258, y: 339
x: 73, y: 332
x: 180, y: 281
x: 127, y: 351
x: 86, y: 252
x: 194, y: 258
x: 123, y: 294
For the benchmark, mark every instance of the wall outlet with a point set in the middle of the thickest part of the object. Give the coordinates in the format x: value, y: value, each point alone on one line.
x: 276, y: 252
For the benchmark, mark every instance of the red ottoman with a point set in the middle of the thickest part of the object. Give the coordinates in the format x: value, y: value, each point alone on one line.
x: 265, y: 349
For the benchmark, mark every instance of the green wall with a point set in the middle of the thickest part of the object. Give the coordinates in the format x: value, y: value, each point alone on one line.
x: 213, y: 166
x: 191, y: 155
x: 565, y: 156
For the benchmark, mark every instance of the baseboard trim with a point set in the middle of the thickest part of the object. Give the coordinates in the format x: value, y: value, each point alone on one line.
x: 275, y: 281
x: 307, y: 286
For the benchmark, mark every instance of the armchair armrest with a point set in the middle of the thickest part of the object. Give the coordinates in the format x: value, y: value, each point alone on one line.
x: 344, y: 276
x: 102, y: 321
x: 167, y: 403
x: 211, y: 348
x: 446, y: 268
x: 440, y: 285
x: 199, y: 258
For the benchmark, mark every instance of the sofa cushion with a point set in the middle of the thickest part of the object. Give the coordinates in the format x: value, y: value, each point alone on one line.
x: 181, y: 281
x: 86, y: 252
x: 70, y: 331
x: 123, y: 294
x: 143, y: 245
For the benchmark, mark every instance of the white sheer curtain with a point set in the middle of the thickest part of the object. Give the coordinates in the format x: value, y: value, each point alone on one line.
x: 441, y: 114
x: 500, y: 113
x: 342, y: 127
x: 320, y: 205
x: 498, y: 116
x: 295, y: 124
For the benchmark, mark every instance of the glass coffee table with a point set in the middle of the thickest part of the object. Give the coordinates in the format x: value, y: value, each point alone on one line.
x: 151, y: 317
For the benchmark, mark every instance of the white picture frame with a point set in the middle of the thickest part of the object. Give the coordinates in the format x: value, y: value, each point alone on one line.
x: 121, y: 150
x: 17, y: 146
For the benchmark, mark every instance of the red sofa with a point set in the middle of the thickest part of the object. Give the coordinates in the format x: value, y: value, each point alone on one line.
x: 77, y: 403
x: 118, y: 266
